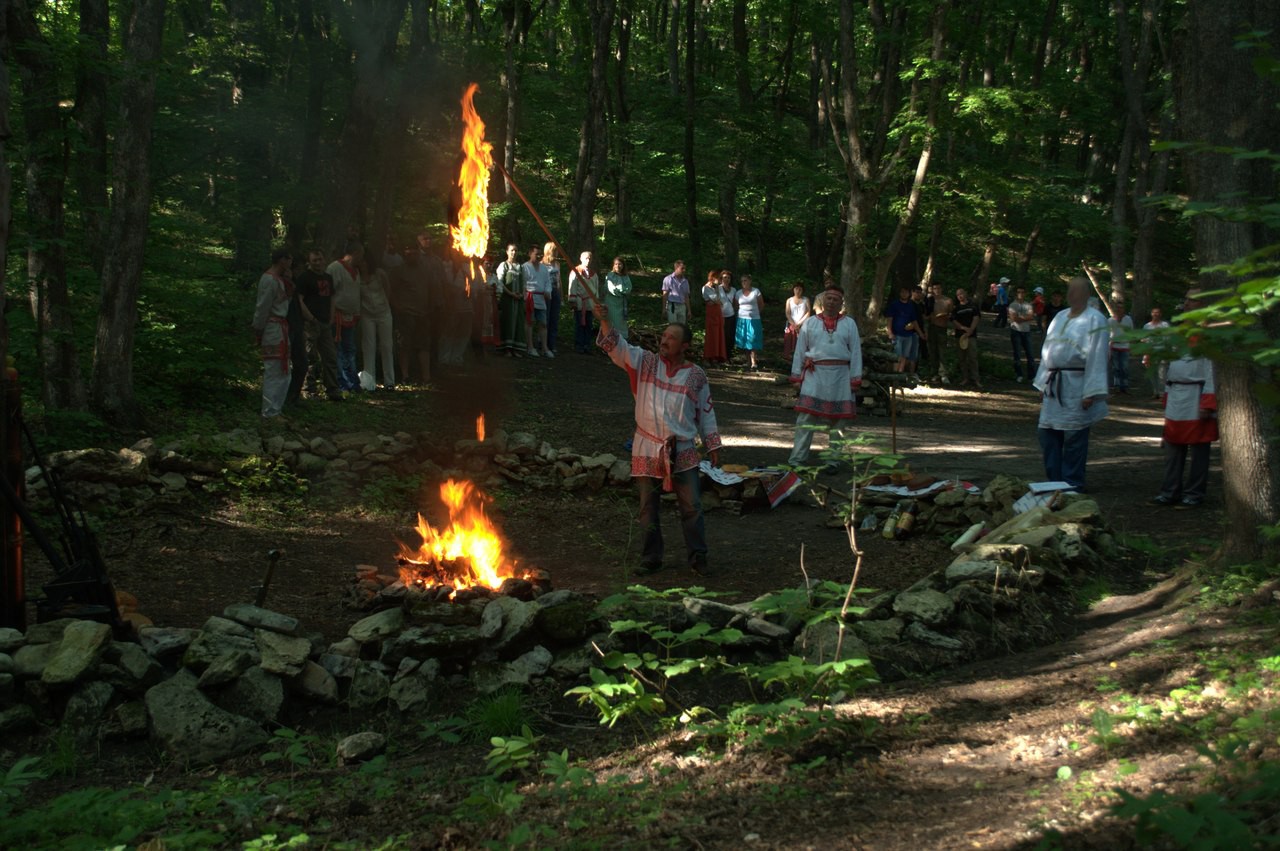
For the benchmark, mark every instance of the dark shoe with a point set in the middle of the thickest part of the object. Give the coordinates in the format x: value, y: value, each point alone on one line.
x: 698, y: 564
x: 648, y: 568
x: 1162, y: 499
x: 1190, y: 502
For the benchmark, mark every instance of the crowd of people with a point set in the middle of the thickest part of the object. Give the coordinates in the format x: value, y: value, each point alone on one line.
x: 411, y: 310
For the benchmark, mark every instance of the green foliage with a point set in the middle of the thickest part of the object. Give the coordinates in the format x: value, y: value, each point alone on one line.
x: 266, y: 477
x: 16, y: 779
x: 511, y: 754
x: 391, y: 494
x: 643, y: 681
x: 504, y: 713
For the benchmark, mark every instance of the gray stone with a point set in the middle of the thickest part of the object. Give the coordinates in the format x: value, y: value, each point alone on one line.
x: 324, y: 448
x: 166, y: 644
x: 361, y: 747
x: 126, y: 467
x: 282, y: 654
x: 766, y: 629
x: 30, y: 660
x: 369, y: 687
x: 140, y: 669
x: 209, y: 646
x: 717, y: 614
x: 1079, y: 509
x: 340, y: 666
x: 346, y: 647
x: 927, y: 606
x: 879, y: 632
x: 966, y: 569
x: 603, y: 461
x: 85, y: 710
x: 308, y: 464
x: 919, y: 632
x: 412, y: 694
x: 49, y: 632
x: 82, y: 645
x: 173, y: 482
x: 193, y: 729
x: 256, y: 694
x: 565, y: 617
x: 495, y: 676
x: 620, y: 473
x: 817, y: 642
x: 6, y: 663
x: 508, y: 623
x: 225, y: 669
x: 10, y: 640
x: 950, y: 498
x: 1070, y: 546
x: 17, y: 719
x: 226, y: 626
x: 258, y: 618
x: 378, y: 626
x: 574, y: 662
x: 131, y: 719
x: 446, y: 614
x: 315, y: 683
x: 8, y: 688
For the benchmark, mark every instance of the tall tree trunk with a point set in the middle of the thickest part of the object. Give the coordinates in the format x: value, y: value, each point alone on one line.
x: 593, y: 147
x: 622, y: 121
x: 6, y: 215
x: 372, y: 31
x: 1120, y: 211
x: 673, y: 48
x: 931, y: 262
x: 908, y: 216
x: 1023, y: 273
x: 727, y: 201
x: 690, y: 118
x: 247, y: 115
x: 741, y: 53
x: 46, y: 174
x: 1222, y: 102
x: 90, y: 165
x: 307, y: 196
x: 112, y: 388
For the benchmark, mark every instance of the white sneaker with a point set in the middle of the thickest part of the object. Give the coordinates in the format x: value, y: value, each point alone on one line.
x: 945, y: 380
x: 532, y: 353
x: 1018, y: 379
x: 548, y: 354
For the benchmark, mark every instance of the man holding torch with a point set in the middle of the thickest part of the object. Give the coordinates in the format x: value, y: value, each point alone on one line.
x: 672, y: 410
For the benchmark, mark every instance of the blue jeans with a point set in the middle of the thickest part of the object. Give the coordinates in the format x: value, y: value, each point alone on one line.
x: 1120, y: 369
x: 1022, y: 340
x: 689, y: 500
x: 1065, y: 454
x: 348, y: 372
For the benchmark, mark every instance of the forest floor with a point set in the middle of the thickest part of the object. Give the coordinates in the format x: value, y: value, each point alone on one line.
x: 973, y: 757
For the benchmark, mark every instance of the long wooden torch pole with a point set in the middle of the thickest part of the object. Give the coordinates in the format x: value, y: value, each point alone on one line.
x: 591, y: 295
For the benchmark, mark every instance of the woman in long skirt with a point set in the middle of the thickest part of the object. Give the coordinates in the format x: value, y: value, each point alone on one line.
x: 797, y: 311
x: 750, y: 333
x: 713, y: 348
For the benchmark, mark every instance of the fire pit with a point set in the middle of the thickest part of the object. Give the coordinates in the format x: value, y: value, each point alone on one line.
x: 464, y: 560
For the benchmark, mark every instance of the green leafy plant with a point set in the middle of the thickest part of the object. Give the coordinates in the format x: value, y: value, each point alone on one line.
x: 15, y: 780
x: 503, y: 713
x: 511, y: 754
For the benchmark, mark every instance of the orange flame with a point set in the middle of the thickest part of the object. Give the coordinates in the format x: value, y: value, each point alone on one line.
x: 471, y: 234
x: 470, y: 546
x: 480, y: 428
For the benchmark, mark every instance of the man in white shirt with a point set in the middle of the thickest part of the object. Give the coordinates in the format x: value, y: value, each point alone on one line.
x: 537, y: 284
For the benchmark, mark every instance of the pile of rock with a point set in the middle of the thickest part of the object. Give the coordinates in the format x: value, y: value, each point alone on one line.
x: 211, y: 693
x: 375, y: 588
x: 996, y: 595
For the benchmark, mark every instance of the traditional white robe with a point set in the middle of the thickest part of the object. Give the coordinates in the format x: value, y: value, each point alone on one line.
x: 271, y: 322
x: 670, y: 406
x: 1189, y: 389
x: 1073, y: 367
x: 824, y: 365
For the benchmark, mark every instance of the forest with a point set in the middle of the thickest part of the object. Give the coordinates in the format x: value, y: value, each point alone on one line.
x: 159, y: 150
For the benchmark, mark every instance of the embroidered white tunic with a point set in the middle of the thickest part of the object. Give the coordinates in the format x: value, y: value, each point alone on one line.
x: 669, y: 404
x: 824, y: 365
x: 1189, y: 389
x: 1073, y: 367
